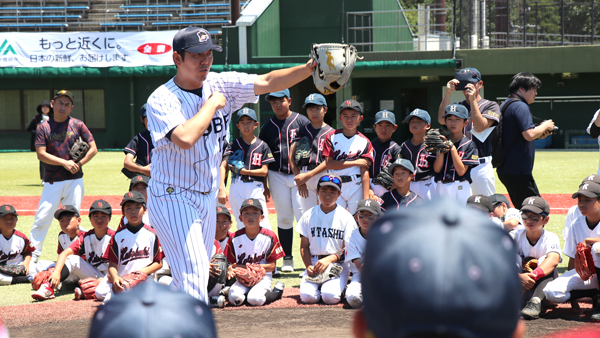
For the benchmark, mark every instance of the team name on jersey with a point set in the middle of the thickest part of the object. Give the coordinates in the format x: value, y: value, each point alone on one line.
x: 250, y: 259
x: 4, y: 257
x: 128, y: 255
x: 339, y: 156
x: 423, y: 161
x: 218, y: 124
x: 327, y: 233
x: 95, y: 259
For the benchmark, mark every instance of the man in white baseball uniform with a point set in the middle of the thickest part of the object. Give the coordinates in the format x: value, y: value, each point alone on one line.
x: 188, y: 118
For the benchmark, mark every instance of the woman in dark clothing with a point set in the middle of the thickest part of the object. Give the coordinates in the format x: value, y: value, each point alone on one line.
x: 44, y: 111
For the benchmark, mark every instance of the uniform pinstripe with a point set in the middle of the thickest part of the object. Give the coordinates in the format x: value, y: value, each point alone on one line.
x: 183, y: 190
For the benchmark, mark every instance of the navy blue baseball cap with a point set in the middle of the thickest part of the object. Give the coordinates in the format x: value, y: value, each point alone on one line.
x: 153, y: 310
x: 316, y: 99
x: 457, y: 110
x: 194, y: 40
x: 281, y: 93
x: 402, y: 162
x: 385, y: 115
x: 247, y: 112
x: 420, y: 113
x: 143, y: 111
x: 475, y: 74
x: 448, y: 285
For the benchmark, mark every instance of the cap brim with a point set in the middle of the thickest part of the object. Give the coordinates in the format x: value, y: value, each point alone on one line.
x: 316, y: 104
x: 367, y: 209
x: 253, y: 206
x: 386, y: 120
x: 351, y: 108
x: 199, y: 49
x: 329, y: 184
x: 479, y: 206
x: 460, y: 117
x: 104, y: 211
x: 393, y: 166
x: 585, y: 193
x: 62, y: 211
x: 224, y: 213
x: 532, y: 208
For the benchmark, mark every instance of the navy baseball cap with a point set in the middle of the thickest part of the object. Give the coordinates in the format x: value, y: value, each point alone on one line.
x: 385, y: 115
x: 402, y: 162
x: 475, y: 74
x: 281, y: 93
x: 499, y: 198
x: 138, y: 179
x: 589, y: 189
x: 223, y: 211
x: 252, y: 202
x: 369, y: 205
x: 316, y: 99
x: 153, y: 310
x: 7, y: 209
x: 440, y: 287
x: 247, y: 112
x: 480, y: 202
x: 420, y: 113
x: 133, y: 196
x: 351, y: 104
x: 331, y: 180
x: 65, y: 208
x: 536, y: 204
x: 102, y: 206
x: 457, y: 110
x: 66, y: 93
x: 194, y: 40
x: 143, y: 111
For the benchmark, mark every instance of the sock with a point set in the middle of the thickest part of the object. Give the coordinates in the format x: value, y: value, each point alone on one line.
x: 19, y: 280
x: 64, y: 273
x: 272, y: 296
x: 540, y: 285
x: 286, y: 238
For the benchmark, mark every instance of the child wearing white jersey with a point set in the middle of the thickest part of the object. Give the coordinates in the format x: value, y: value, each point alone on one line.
x: 15, y: 247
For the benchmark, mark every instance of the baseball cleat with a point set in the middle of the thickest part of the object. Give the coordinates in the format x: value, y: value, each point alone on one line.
x: 288, y: 265
x: 225, y: 291
x: 45, y: 292
x: 217, y: 302
x: 78, y: 294
x: 532, y: 309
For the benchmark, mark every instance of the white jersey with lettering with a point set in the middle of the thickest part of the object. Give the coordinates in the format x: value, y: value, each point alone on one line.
x: 182, y: 193
x: 134, y: 248
x: 355, y: 247
x: 578, y: 231
x: 88, y: 246
x: 326, y: 232
x: 547, y: 243
x: 64, y: 241
x: 12, y: 250
x: 264, y: 248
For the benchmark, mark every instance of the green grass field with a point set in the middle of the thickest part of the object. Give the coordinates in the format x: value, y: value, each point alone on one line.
x: 556, y: 172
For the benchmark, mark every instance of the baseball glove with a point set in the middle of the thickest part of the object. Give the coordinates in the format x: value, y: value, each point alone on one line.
x: 41, y: 278
x: 529, y: 264
x: 385, y: 178
x: 79, y: 150
x: 14, y: 270
x: 88, y: 287
x: 236, y: 160
x: 434, y: 143
x: 221, y: 260
x: 251, y: 275
x: 132, y: 279
x: 332, y: 271
x: 335, y: 63
x: 584, y: 263
x: 302, y: 152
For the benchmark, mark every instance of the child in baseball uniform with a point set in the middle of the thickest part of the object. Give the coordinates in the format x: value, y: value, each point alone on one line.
x: 349, y: 154
x: 279, y: 132
x: 585, y: 230
x: 83, y: 258
x: 253, y: 244
x: 367, y: 211
x: 573, y: 213
x: 534, y: 242
x: 453, y: 168
x: 308, y: 174
x: 133, y: 248
x: 510, y: 217
x: 138, y: 183
x: 249, y: 176
x: 15, y: 247
x: 413, y: 149
x: 323, y: 230
x: 138, y: 151
x: 401, y: 196
x: 385, y: 150
x: 484, y: 204
x: 223, y: 234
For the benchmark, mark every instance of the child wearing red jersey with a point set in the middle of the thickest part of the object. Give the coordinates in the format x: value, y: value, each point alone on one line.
x: 15, y: 247
x: 253, y: 245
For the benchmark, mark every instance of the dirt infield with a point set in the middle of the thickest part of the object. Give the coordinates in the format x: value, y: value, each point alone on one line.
x: 286, y: 318
x: 27, y: 205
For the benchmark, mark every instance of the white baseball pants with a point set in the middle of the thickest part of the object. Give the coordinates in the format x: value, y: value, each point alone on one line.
x: 312, y: 199
x: 330, y: 291
x: 460, y: 191
x: 240, y: 191
x: 426, y: 189
x: 354, y: 291
x: 484, y: 182
x: 286, y: 199
x: 255, y: 294
x: 352, y: 193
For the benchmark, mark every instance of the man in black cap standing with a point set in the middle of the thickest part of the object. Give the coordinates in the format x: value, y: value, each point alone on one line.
x: 188, y: 118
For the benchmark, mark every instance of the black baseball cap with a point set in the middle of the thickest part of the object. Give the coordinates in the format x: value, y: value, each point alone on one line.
x: 593, y: 178
x: 102, y: 206
x: 474, y: 74
x: 133, y: 196
x: 143, y: 110
x: 480, y: 202
x: 499, y: 198
x: 351, y: 104
x: 441, y: 287
x: 252, y: 202
x: 536, y: 204
x: 138, y: 179
x: 66, y: 93
x: 153, y: 310
x: 66, y: 208
x: 369, y: 205
x: 589, y: 189
x: 331, y: 180
x: 194, y: 40
x: 223, y: 211
x: 6, y: 209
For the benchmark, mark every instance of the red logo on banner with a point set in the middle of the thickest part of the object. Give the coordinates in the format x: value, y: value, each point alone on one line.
x: 154, y: 48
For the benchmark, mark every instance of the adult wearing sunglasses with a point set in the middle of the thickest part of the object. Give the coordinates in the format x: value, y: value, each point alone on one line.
x: 63, y: 178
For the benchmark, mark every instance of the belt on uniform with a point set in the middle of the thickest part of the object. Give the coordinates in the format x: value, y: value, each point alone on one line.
x: 346, y: 179
x: 320, y: 256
